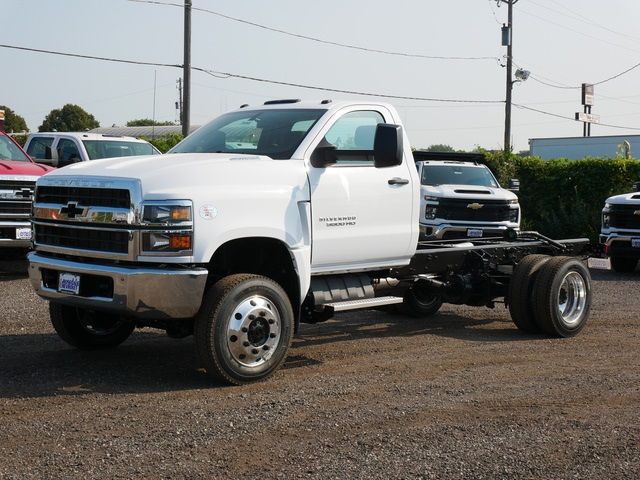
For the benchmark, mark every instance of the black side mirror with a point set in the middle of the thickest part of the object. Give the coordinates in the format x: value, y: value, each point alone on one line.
x: 48, y: 155
x: 636, y: 186
x: 387, y: 146
x: 514, y: 185
x: 324, y: 154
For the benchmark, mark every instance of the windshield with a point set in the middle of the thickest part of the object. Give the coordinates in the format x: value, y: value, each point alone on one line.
x: 10, y: 151
x: 274, y: 133
x: 457, y: 175
x: 116, y: 148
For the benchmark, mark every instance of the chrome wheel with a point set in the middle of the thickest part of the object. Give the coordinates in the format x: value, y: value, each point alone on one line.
x: 253, y: 331
x: 572, y: 298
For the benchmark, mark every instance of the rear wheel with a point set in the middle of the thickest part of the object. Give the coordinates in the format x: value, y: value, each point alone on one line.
x: 420, y: 302
x: 624, y: 264
x: 521, y: 292
x: 244, y: 328
x: 562, y: 296
x: 88, y: 329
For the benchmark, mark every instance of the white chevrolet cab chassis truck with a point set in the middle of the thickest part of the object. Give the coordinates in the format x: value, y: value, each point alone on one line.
x: 620, y: 233
x: 266, y: 218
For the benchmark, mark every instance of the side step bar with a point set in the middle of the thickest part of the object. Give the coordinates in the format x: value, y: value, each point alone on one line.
x: 360, y: 304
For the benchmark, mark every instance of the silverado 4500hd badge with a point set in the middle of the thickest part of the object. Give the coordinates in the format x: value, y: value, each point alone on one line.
x: 348, y: 221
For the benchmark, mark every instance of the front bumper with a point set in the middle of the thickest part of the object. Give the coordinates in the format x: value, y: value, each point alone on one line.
x: 136, y: 291
x: 620, y: 244
x: 448, y: 231
x: 8, y: 234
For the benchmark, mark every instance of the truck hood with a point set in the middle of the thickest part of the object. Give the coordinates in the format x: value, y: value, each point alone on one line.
x: 467, y: 192
x: 625, y: 199
x: 183, y: 175
x: 13, y: 168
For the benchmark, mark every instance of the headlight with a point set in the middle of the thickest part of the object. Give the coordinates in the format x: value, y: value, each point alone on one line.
x: 513, y: 202
x: 430, y: 212
x: 513, y: 215
x: 167, y: 214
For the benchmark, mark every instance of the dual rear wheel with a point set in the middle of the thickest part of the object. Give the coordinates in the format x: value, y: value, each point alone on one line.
x: 550, y: 295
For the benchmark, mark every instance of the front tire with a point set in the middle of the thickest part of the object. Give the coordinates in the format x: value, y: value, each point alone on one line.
x: 562, y: 296
x: 244, y: 329
x: 88, y: 329
x: 624, y: 264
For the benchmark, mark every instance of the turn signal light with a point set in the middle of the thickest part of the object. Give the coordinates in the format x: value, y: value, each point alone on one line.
x: 181, y: 214
x: 180, y: 242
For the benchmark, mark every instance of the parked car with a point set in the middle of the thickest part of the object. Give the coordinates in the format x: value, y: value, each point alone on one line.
x: 463, y: 199
x: 267, y: 217
x: 60, y: 149
x: 18, y: 175
x: 620, y: 232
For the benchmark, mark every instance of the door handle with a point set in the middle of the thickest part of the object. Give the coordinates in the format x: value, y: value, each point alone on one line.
x: 398, y: 181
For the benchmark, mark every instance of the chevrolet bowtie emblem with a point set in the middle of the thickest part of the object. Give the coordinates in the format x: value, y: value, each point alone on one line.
x: 475, y: 206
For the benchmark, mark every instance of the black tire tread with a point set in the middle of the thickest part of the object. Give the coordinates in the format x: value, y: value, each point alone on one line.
x: 203, y: 328
x: 520, y: 292
x: 624, y: 264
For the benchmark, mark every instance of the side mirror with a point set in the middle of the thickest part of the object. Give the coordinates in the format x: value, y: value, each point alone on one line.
x: 514, y: 185
x: 324, y: 155
x: 636, y: 186
x: 387, y: 146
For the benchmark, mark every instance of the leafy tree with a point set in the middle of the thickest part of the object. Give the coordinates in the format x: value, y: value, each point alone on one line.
x: 147, y: 122
x: 166, y: 142
x: 12, y: 121
x: 70, y: 118
x: 439, y: 147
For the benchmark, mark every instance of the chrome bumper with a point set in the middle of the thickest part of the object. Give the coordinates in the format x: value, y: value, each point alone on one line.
x: 143, y: 292
x: 13, y: 242
x: 439, y: 231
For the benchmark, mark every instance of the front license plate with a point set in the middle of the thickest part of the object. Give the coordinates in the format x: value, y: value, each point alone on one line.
x: 23, y: 234
x: 599, y: 263
x: 635, y: 242
x: 474, y: 233
x: 69, y: 283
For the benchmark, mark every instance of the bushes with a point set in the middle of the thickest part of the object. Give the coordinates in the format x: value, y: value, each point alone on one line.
x: 165, y: 142
x: 564, y: 198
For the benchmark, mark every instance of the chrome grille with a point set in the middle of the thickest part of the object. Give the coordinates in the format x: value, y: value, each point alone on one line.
x: 111, y: 197
x: 114, y: 241
x: 15, y: 198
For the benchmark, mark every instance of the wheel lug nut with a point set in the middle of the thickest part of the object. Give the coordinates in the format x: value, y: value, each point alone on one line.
x: 233, y: 338
x: 272, y: 335
x: 245, y: 329
x: 255, y: 351
x: 242, y: 356
x: 271, y: 321
x: 265, y: 347
x: 263, y: 313
x: 252, y: 317
x: 246, y: 344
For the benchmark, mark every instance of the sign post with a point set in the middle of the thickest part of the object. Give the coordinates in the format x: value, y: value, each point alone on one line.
x: 586, y: 117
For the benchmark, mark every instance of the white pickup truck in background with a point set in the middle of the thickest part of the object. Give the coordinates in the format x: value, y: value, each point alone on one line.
x: 268, y: 217
x: 463, y: 199
x: 60, y: 149
x: 620, y: 233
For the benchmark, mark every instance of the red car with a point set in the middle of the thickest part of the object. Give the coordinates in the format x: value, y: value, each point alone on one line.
x: 18, y: 175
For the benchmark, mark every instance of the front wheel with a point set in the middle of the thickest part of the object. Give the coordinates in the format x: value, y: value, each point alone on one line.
x: 244, y: 328
x: 624, y: 264
x: 562, y: 296
x: 88, y: 329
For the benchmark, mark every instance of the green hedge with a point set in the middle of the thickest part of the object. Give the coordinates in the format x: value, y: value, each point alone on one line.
x: 166, y: 142
x: 564, y: 198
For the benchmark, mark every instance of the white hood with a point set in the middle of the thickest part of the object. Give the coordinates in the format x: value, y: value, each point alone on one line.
x: 625, y: 199
x: 467, y: 192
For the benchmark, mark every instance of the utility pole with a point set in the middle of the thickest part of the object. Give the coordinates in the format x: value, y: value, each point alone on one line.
x: 507, y: 40
x: 179, y: 102
x: 186, y: 101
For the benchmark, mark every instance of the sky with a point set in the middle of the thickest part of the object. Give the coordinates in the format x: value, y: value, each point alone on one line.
x: 561, y: 42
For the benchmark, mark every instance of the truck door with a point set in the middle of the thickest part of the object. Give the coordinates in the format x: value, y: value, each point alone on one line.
x: 362, y: 215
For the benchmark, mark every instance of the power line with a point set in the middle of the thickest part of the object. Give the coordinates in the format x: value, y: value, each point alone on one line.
x: 315, y: 39
x: 543, y: 112
x: 219, y: 74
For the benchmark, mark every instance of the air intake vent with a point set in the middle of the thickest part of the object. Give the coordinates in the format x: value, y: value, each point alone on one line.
x: 473, y: 192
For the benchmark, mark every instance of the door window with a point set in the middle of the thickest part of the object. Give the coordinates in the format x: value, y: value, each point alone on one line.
x: 67, y: 152
x: 38, y: 145
x: 353, y: 135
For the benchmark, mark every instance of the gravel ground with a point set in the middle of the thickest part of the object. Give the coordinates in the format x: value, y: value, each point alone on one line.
x: 367, y: 395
